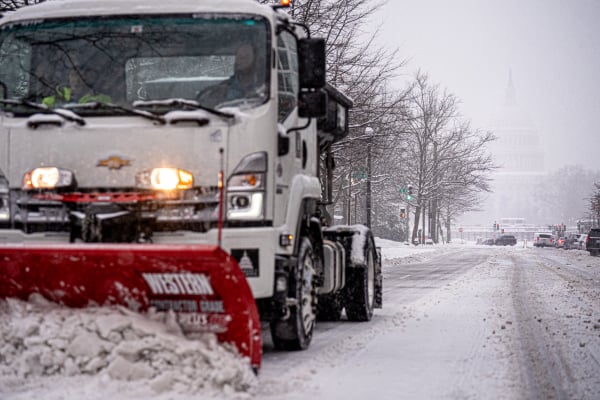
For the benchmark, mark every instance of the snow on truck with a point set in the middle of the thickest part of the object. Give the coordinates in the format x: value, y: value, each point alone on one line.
x: 177, y: 157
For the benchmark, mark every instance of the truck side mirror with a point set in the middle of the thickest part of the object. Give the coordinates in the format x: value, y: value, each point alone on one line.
x: 311, y: 59
x: 334, y: 125
x: 312, y: 104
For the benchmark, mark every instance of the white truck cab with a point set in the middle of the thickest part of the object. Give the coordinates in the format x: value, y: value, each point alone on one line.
x: 120, y: 121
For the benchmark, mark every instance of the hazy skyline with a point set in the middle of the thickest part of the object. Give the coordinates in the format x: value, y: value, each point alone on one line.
x: 469, y: 46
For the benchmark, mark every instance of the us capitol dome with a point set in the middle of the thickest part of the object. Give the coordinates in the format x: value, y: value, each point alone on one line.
x: 519, y: 157
x: 517, y: 147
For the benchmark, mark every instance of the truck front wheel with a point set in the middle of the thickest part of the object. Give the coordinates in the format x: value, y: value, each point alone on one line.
x: 360, y: 287
x: 295, y: 332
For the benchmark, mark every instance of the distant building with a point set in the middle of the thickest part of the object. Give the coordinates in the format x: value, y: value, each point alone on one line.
x: 520, y: 158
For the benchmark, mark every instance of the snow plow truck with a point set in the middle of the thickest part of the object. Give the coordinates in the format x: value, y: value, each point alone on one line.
x: 177, y: 158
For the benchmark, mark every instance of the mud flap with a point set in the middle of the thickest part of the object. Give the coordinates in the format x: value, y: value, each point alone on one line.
x: 202, y: 285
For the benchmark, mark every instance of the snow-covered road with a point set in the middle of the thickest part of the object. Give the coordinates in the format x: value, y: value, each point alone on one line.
x: 473, y: 323
x: 459, y: 322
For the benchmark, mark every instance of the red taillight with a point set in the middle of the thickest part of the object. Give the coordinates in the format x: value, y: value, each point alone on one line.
x: 587, y: 240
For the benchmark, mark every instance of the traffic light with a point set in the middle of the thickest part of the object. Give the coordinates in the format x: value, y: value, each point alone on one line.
x: 403, y: 213
x: 409, y: 194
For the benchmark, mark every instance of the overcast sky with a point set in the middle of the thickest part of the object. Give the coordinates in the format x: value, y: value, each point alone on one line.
x: 551, y: 46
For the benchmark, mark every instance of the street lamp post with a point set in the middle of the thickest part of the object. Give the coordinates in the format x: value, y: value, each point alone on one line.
x: 369, y: 133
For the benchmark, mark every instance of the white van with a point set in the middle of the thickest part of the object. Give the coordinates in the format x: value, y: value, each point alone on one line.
x: 543, y: 240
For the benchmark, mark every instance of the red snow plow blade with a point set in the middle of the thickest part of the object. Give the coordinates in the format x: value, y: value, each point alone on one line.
x: 203, y: 285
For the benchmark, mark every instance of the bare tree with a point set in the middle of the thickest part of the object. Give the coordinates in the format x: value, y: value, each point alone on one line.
x: 449, y: 163
x: 363, y: 71
x: 565, y: 193
x: 595, y: 205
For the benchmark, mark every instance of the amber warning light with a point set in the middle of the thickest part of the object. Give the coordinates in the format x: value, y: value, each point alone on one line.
x: 285, y: 3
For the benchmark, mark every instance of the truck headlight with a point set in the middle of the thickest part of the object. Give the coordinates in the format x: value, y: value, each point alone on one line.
x: 165, y: 179
x: 48, y: 178
x: 246, y: 182
x: 245, y: 206
x: 246, y: 188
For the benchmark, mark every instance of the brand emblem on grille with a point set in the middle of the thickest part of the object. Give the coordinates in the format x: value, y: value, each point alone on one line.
x: 114, y: 162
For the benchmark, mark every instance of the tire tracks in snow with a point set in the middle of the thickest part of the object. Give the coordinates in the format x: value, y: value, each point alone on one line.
x: 549, y: 367
x: 413, y: 293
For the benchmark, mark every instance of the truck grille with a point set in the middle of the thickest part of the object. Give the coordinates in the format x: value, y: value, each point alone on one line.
x: 194, y: 210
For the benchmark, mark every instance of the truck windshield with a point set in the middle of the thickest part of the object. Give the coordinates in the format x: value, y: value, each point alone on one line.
x: 215, y: 60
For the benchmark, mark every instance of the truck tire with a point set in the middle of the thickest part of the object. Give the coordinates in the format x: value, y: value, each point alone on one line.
x: 360, y: 287
x: 329, y: 307
x: 295, y: 332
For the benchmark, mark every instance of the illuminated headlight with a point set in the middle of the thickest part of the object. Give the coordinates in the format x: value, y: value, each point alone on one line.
x: 47, y: 178
x: 246, y: 188
x: 165, y: 179
x: 245, y: 206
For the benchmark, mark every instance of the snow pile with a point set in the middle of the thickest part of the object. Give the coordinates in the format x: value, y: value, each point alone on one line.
x: 395, y: 253
x: 116, y: 350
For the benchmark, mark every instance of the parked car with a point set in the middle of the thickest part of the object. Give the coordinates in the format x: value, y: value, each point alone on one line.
x: 560, y: 242
x: 592, y: 242
x: 572, y: 241
x: 581, y: 241
x: 542, y: 240
x: 505, y: 240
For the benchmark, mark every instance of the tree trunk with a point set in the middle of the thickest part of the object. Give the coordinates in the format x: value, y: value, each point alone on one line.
x: 416, y: 224
x: 422, y: 239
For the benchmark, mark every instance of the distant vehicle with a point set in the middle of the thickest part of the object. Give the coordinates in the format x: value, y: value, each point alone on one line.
x: 592, y: 243
x: 560, y: 242
x: 428, y: 241
x: 572, y: 241
x: 542, y: 240
x: 505, y: 240
x: 489, y: 242
x: 581, y: 241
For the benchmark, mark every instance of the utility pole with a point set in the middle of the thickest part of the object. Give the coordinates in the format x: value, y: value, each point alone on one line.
x: 408, y: 222
x: 433, y: 207
x: 422, y: 238
x: 349, y: 207
x: 369, y: 133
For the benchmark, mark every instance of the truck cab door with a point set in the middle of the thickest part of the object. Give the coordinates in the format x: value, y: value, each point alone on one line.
x: 289, y: 160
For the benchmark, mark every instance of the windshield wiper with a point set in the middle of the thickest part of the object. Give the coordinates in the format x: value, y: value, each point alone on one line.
x: 66, y: 114
x: 182, y: 103
x: 245, y: 101
x: 94, y: 105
